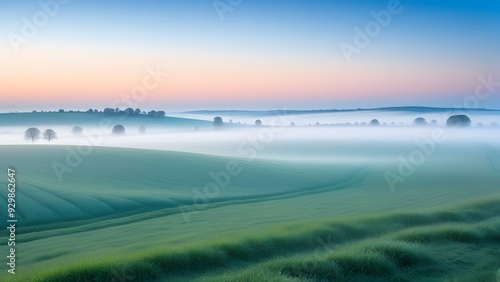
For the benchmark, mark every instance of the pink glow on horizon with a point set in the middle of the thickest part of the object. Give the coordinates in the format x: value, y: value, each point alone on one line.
x: 45, y: 75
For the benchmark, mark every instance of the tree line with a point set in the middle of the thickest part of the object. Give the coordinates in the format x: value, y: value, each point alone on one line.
x: 452, y: 121
x: 130, y: 111
x: 127, y: 111
x: 34, y: 133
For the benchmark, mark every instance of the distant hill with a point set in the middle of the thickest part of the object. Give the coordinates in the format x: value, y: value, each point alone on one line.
x: 415, y: 109
x: 205, y: 120
x: 93, y: 119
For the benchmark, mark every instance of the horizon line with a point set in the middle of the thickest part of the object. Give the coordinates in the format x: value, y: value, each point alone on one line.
x: 437, y: 109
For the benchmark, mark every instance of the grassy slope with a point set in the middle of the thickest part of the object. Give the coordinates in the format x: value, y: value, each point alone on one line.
x: 110, y: 181
x: 455, y: 243
x: 92, y: 119
x: 127, y: 233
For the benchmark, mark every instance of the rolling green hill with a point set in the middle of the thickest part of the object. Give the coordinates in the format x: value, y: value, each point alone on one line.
x: 129, y: 212
x: 92, y: 119
x: 112, y: 180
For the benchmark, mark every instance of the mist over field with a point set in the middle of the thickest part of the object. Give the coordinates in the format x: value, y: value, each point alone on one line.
x: 326, y: 136
x: 351, y: 117
x: 305, y: 144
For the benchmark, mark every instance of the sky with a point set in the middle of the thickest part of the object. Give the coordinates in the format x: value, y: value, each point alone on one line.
x: 242, y: 54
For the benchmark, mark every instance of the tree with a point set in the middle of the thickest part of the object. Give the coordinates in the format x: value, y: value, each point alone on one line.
x: 77, y: 130
x: 142, y: 129
x: 258, y: 122
x: 32, y: 133
x: 374, y: 122
x: 218, y: 122
x: 118, y: 129
x: 160, y: 113
x: 152, y: 113
x: 420, y: 121
x: 458, y: 121
x: 49, y: 134
x: 109, y: 111
x: 129, y: 111
x: 137, y: 111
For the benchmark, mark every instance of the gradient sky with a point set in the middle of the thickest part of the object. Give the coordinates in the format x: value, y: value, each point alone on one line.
x: 262, y: 55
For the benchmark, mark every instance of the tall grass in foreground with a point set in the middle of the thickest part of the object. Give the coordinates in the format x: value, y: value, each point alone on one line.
x: 458, y: 244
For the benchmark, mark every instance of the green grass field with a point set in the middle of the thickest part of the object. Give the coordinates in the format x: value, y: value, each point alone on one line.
x: 129, y: 215
x: 92, y: 119
x: 457, y: 244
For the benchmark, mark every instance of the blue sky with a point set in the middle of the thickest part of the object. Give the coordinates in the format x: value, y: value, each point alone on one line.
x: 262, y: 54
